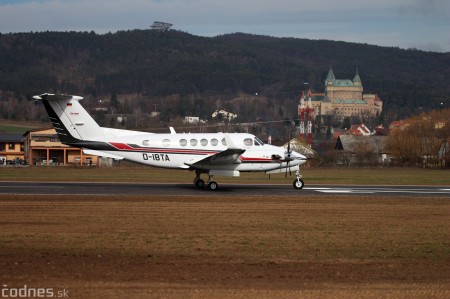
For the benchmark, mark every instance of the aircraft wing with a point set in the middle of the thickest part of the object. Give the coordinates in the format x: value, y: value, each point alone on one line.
x: 229, y: 156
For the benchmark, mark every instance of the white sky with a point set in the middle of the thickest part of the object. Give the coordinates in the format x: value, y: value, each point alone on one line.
x: 421, y: 24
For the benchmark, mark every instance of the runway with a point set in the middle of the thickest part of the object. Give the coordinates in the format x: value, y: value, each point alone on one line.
x: 174, y: 189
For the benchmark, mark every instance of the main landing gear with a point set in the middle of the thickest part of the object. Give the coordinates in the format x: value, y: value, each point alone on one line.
x: 298, y: 182
x: 199, y: 183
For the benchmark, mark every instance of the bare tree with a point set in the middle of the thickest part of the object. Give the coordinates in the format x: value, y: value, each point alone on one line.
x: 418, y: 141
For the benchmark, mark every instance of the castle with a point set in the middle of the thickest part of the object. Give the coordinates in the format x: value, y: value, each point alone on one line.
x: 344, y: 97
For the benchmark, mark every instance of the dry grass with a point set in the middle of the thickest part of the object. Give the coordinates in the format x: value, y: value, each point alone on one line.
x: 316, y: 247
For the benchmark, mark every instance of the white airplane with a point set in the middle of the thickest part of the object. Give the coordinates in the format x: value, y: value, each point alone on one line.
x: 214, y: 154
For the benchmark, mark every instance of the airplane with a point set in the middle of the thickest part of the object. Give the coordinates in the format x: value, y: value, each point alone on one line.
x: 213, y: 154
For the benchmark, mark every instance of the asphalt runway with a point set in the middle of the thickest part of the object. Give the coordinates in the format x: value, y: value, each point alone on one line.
x: 174, y: 189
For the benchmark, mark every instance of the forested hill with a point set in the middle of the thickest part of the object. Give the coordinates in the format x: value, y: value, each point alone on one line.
x: 165, y: 63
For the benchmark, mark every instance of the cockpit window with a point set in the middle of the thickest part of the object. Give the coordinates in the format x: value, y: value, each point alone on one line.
x: 258, y: 141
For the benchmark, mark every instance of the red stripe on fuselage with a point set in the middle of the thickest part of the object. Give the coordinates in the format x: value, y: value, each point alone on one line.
x: 128, y: 148
x: 259, y: 160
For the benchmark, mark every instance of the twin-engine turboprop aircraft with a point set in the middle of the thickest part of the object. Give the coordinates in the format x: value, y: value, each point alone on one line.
x: 215, y: 154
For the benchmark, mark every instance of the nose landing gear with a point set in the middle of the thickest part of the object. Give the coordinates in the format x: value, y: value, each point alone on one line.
x: 298, y: 182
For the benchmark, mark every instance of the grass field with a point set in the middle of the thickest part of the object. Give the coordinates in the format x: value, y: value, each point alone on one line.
x: 222, y: 247
x: 321, y: 246
x: 364, y: 176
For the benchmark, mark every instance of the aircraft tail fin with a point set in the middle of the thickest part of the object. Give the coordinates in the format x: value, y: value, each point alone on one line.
x: 70, y: 120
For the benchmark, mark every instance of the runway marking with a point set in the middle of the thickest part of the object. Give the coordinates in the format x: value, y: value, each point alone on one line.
x: 346, y: 191
x: 382, y: 190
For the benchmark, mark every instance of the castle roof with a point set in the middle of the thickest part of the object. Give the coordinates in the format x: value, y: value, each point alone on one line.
x: 342, y: 82
x: 330, y: 76
x: 357, y: 78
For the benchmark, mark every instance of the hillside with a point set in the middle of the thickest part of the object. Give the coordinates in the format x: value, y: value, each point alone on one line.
x: 158, y: 64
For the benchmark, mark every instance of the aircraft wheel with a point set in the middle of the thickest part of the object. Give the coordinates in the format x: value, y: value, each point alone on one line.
x: 213, y: 186
x: 199, y: 183
x: 298, y: 184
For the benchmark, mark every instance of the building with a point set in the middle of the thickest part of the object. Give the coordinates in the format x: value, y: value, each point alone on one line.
x: 193, y: 120
x: 223, y: 114
x: 300, y: 147
x: 42, y: 147
x: 11, y: 148
x: 363, y: 150
x: 359, y: 130
x: 344, y: 98
x: 160, y: 26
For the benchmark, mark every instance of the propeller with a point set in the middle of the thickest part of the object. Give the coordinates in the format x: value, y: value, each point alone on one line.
x: 287, y: 157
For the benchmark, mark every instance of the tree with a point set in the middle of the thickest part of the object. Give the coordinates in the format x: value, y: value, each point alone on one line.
x: 346, y: 123
x: 114, y: 102
x: 417, y: 142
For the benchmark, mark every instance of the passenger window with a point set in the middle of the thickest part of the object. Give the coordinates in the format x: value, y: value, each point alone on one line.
x: 146, y: 143
x: 166, y: 142
x: 214, y: 142
x: 248, y: 142
x: 224, y: 142
x: 204, y: 142
x: 183, y: 142
x: 193, y: 142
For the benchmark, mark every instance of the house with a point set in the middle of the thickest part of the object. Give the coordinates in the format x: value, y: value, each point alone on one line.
x: 224, y: 115
x: 11, y: 149
x: 193, y: 120
x: 301, y: 147
x: 42, y: 147
x: 380, y: 130
x: 359, y: 130
x: 363, y: 149
x: 444, y: 154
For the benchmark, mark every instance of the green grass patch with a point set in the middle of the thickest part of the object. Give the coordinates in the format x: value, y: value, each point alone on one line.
x: 142, y: 174
x: 7, y: 126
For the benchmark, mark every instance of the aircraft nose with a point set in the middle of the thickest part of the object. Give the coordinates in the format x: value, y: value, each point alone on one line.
x: 301, y: 159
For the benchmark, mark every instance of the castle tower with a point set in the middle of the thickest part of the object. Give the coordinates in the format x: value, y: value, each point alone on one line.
x: 330, y: 78
x: 357, y: 79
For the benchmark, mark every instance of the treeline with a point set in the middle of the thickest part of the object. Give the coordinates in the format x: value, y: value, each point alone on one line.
x: 160, y: 64
x: 422, y: 140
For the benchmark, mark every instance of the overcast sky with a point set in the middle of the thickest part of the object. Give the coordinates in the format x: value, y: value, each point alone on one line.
x: 421, y: 24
